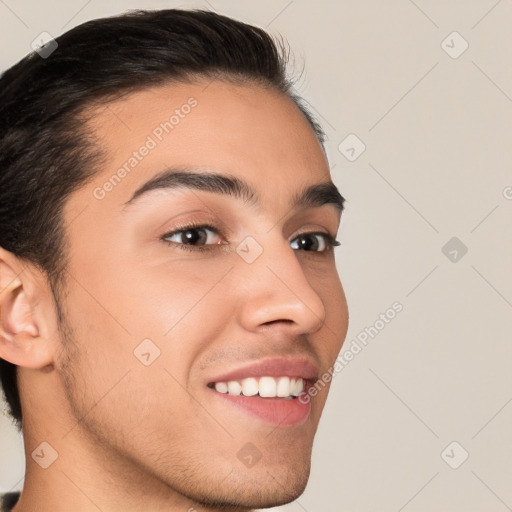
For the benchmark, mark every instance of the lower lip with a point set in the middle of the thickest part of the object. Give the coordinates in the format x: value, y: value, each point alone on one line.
x: 278, y: 412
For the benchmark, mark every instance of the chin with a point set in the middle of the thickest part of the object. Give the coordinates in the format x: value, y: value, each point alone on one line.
x: 264, y: 489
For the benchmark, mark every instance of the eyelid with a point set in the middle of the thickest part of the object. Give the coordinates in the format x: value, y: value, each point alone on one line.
x: 328, y: 239
x: 204, y: 220
x: 314, y: 231
x: 221, y: 231
x: 192, y: 225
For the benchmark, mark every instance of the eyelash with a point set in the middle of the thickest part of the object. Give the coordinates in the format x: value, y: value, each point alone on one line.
x: 329, y: 240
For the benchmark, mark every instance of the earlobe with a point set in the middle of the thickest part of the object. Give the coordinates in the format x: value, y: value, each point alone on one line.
x: 21, y: 342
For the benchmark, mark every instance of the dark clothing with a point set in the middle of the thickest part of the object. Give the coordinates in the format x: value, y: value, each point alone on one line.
x: 7, y: 501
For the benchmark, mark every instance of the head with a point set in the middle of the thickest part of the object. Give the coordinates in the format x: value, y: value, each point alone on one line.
x: 168, y: 221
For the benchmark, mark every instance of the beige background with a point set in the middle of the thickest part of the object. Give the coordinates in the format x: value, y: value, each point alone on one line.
x: 437, y: 165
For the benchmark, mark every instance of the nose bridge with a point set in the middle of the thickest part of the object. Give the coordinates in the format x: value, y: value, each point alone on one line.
x: 275, y: 287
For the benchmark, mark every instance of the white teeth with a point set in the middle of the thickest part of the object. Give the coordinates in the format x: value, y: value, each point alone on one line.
x: 234, y: 387
x: 296, y: 387
x: 283, y: 386
x: 299, y: 386
x: 266, y: 387
x: 221, y: 387
x: 250, y: 387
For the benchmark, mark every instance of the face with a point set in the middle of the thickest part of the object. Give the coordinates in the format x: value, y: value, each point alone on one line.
x: 188, y: 297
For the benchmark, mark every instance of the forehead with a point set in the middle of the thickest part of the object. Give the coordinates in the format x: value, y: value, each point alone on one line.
x: 249, y: 131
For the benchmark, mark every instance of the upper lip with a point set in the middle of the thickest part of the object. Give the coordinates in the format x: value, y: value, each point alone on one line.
x: 277, y: 367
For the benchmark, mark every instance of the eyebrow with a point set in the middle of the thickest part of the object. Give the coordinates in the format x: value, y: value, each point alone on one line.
x: 313, y: 196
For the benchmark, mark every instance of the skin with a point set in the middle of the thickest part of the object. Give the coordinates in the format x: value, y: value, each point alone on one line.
x: 132, y: 437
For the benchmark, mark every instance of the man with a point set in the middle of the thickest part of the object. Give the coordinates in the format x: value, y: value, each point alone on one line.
x: 169, y: 294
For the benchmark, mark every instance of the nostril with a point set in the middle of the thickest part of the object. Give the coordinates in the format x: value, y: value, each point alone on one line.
x: 284, y: 320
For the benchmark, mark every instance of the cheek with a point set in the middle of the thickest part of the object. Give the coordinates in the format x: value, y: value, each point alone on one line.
x: 119, y: 382
x: 340, y: 314
x: 180, y: 306
x: 162, y: 316
x: 329, y: 288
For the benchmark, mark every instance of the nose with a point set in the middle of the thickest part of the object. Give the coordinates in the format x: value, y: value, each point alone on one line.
x: 274, y: 290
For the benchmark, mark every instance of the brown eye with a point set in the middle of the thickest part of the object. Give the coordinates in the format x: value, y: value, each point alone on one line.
x: 194, y: 235
x: 316, y: 242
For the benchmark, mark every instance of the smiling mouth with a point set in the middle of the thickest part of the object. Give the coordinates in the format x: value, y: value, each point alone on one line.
x: 273, y: 400
x: 265, y: 387
x: 273, y: 391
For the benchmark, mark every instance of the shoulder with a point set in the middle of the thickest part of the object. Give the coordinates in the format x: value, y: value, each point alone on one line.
x: 8, y: 500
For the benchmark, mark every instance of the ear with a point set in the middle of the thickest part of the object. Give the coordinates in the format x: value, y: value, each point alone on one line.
x: 24, y: 324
